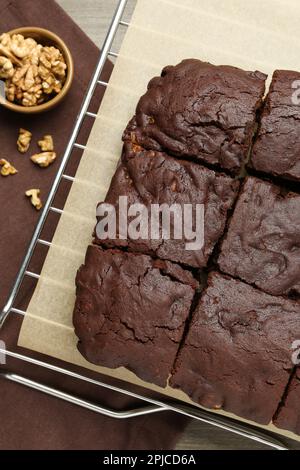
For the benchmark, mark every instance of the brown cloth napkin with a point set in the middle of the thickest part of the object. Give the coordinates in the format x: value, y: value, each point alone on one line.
x: 29, y: 419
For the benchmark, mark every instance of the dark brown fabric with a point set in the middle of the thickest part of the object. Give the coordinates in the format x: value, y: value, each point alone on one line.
x: 31, y: 420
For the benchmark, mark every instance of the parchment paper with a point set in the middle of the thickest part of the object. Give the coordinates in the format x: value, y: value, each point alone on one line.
x: 254, y: 35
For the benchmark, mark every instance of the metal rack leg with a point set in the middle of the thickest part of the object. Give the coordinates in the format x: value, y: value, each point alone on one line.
x: 152, y: 406
x: 133, y: 413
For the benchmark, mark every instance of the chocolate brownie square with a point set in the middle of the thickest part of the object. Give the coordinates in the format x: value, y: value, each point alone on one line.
x: 196, y: 109
x: 131, y: 311
x: 237, y: 353
x: 277, y: 147
x: 150, y: 177
x: 288, y: 415
x: 262, y: 245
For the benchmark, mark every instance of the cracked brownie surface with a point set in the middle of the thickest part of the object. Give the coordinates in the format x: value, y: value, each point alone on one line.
x: 288, y: 416
x: 135, y: 308
x: 277, y: 147
x: 150, y: 177
x: 131, y: 311
x: 196, y: 109
x: 262, y: 245
x: 237, y: 353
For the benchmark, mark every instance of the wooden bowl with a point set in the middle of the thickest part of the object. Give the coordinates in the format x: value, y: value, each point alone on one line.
x: 46, y: 38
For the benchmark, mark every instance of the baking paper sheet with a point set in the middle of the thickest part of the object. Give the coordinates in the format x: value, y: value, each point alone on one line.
x: 254, y: 35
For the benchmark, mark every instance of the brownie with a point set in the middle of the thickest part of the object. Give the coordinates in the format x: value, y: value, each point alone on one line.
x: 237, y: 353
x: 150, y: 177
x: 201, y: 111
x: 131, y: 311
x: 288, y: 415
x: 262, y: 245
x: 277, y: 147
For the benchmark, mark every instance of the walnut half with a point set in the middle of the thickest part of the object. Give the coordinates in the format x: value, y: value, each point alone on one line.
x: 24, y: 140
x: 43, y: 159
x: 7, y: 169
x: 34, y: 194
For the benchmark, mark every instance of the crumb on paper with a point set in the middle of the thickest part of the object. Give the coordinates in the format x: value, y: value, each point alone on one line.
x: 7, y: 169
x: 24, y: 140
x: 46, y: 143
x: 34, y: 194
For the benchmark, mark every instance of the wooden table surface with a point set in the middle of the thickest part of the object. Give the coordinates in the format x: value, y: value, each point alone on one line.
x: 94, y: 16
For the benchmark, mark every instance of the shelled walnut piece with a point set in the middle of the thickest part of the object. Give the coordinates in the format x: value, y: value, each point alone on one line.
x: 46, y: 144
x: 34, y: 194
x: 43, y: 159
x: 6, y: 67
x: 24, y: 140
x: 7, y: 169
x: 32, y: 72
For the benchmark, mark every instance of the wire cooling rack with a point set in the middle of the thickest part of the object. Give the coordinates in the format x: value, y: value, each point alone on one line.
x: 148, y: 405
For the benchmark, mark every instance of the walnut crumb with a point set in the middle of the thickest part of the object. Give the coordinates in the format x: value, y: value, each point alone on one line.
x: 7, y: 169
x: 137, y: 148
x: 34, y: 194
x: 43, y: 159
x: 24, y: 140
x: 46, y: 143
